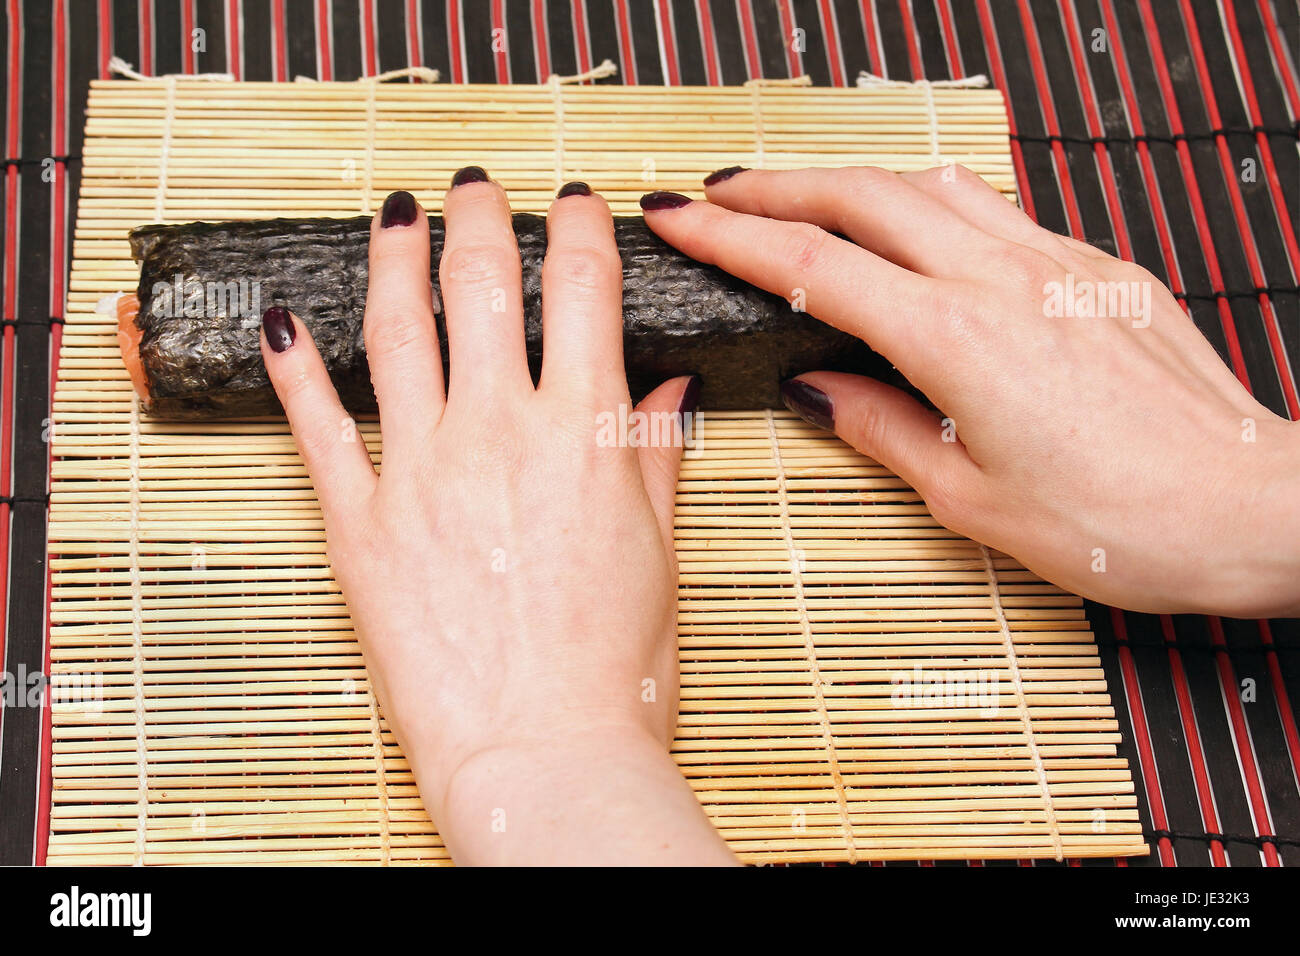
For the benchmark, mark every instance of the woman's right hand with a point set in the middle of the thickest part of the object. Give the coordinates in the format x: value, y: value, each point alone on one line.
x: 1112, y: 454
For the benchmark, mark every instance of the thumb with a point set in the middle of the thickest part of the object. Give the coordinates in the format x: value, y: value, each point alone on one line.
x: 893, y: 428
x: 661, y: 460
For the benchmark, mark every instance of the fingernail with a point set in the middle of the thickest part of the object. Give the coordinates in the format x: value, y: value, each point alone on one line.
x: 722, y: 175
x: 399, y: 210
x: 468, y: 174
x: 811, y: 404
x: 278, y: 326
x: 573, y: 189
x: 652, y: 202
x: 690, y: 397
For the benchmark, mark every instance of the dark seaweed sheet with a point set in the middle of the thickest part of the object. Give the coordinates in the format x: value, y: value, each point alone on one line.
x: 679, y: 315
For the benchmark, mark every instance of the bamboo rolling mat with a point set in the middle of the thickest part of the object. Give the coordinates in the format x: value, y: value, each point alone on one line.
x: 858, y: 683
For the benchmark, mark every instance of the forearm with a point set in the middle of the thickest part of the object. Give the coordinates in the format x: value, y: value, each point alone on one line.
x: 598, y: 799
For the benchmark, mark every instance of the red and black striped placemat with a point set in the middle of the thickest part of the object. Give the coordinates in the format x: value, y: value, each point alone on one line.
x: 1164, y: 131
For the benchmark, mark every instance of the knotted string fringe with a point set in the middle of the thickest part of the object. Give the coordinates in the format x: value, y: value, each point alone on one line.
x: 755, y: 86
x: 122, y: 68
x: 869, y: 81
x: 602, y: 70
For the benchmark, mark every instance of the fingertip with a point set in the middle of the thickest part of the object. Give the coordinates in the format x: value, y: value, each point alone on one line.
x: 400, y: 209
x: 279, y: 329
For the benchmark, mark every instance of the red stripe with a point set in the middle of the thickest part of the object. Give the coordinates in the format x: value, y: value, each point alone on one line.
x: 955, y: 67
x: 831, y: 30
x: 58, y: 263
x: 501, y: 57
x: 1241, y: 738
x: 871, y: 32
x: 793, y: 59
x: 541, y: 40
x: 278, y: 57
x: 625, y: 42
x: 668, y: 42
x: 753, y: 62
x: 146, y: 37
x: 1281, y: 62
x: 712, y: 69
x: 580, y: 44
x: 1192, y: 736
x: 1284, y: 710
x: 324, y: 42
x: 990, y: 37
x: 1142, y: 737
x: 189, y: 59
x: 1230, y: 176
x: 414, y: 52
x: 105, y: 37
x: 455, y: 42
x: 7, y: 346
x: 368, y: 37
x: 914, y: 60
x: 234, y: 60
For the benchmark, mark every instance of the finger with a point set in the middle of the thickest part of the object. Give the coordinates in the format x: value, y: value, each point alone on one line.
x: 582, y: 289
x: 401, y: 337
x: 481, y: 293
x: 839, y: 283
x: 661, y: 462
x: 877, y: 209
x: 967, y: 195
x: 327, y: 438
x: 892, y: 428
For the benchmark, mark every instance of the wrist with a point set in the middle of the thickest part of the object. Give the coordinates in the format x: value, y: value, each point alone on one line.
x: 1264, y: 578
x: 609, y: 793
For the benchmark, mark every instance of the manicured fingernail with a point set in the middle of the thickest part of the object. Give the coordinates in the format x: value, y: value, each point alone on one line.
x: 811, y: 404
x: 469, y: 174
x: 722, y: 175
x: 399, y: 210
x: 652, y: 202
x: 278, y: 326
x: 690, y: 397
x: 573, y: 189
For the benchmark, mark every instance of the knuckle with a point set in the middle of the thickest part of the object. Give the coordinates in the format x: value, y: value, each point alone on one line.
x: 393, y: 333
x: 587, y: 268
x: 477, y: 264
x: 1024, y: 266
x: 805, y: 246
x: 945, y: 505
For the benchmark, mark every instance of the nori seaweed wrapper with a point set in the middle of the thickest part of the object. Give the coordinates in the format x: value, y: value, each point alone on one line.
x: 203, y: 287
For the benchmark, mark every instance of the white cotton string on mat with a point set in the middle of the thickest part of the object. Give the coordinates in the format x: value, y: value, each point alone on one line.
x: 137, y: 647
x: 869, y: 81
x: 1022, y: 706
x: 423, y: 73
x: 810, y: 644
x: 755, y: 87
x: 381, y: 778
x: 605, y: 68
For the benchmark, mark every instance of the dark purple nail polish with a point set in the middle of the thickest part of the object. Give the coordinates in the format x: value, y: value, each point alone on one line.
x: 722, y: 175
x: 811, y: 404
x: 573, y: 189
x: 653, y: 202
x: 278, y: 326
x: 399, y: 210
x: 469, y: 174
x: 690, y: 397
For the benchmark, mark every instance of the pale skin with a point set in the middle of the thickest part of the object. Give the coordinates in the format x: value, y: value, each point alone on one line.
x: 513, y: 582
